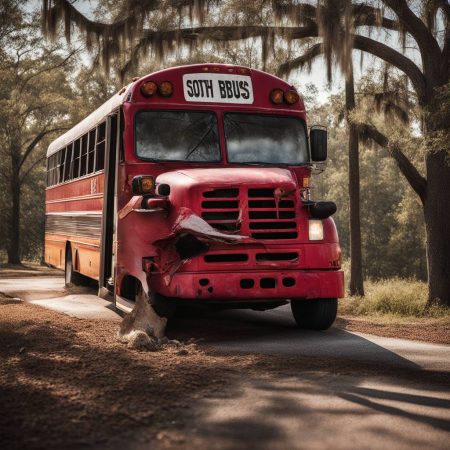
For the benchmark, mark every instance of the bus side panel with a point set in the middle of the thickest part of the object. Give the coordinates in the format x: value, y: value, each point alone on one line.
x: 85, y: 253
x: 87, y: 258
x: 73, y: 214
x: 54, y: 252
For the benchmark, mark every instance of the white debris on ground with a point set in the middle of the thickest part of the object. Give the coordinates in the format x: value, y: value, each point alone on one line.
x: 143, y: 329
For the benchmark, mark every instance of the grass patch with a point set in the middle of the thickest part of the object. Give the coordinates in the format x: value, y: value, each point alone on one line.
x: 396, y: 298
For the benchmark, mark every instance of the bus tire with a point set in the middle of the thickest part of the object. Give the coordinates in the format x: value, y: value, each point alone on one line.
x: 314, y: 314
x: 163, y: 306
x: 71, y: 277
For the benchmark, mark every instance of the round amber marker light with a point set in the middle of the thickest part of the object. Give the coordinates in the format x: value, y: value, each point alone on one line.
x: 149, y: 88
x: 147, y: 184
x: 165, y: 89
x: 291, y: 97
x: 276, y: 96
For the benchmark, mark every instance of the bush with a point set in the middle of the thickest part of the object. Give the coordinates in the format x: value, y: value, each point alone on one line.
x: 395, y: 297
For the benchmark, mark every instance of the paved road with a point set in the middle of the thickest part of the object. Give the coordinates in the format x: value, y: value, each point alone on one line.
x: 50, y: 293
x: 393, y: 393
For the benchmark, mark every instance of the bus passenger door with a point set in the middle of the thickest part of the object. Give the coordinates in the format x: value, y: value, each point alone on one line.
x: 106, y: 276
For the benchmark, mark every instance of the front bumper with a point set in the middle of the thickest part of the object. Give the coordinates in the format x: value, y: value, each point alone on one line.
x: 261, y: 285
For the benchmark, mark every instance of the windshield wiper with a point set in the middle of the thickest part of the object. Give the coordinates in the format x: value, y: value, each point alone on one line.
x: 199, y: 142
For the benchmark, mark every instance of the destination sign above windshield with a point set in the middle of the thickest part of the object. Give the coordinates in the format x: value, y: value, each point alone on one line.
x: 217, y: 88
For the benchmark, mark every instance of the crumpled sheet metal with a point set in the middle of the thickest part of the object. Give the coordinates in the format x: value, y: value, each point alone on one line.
x: 190, y: 223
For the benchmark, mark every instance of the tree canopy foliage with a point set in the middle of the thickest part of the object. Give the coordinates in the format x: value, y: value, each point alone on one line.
x: 34, y: 105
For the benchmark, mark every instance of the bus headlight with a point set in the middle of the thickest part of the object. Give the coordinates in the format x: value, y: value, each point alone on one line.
x: 315, y: 230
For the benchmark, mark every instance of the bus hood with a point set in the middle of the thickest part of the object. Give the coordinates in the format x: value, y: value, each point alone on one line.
x: 228, y: 176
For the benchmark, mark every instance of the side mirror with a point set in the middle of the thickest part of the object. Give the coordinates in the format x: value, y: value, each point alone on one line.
x: 318, y: 143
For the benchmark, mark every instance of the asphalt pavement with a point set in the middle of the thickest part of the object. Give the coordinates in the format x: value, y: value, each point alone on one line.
x: 394, y: 394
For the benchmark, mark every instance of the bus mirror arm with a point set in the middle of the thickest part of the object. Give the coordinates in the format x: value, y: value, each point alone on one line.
x: 141, y: 204
x: 154, y: 203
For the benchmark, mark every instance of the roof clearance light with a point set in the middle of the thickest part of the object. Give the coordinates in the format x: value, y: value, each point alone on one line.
x: 165, y: 89
x: 276, y: 96
x: 291, y: 97
x: 149, y: 88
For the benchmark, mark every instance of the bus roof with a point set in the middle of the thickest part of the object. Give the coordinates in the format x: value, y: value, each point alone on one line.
x: 125, y: 94
x: 90, y: 121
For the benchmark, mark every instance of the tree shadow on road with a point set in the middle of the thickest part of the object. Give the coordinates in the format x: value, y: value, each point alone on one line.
x: 304, y: 365
x: 275, y: 333
x: 66, y: 383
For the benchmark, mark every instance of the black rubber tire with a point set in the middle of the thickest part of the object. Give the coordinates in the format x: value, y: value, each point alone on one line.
x: 72, y: 278
x: 163, y: 306
x: 315, y: 314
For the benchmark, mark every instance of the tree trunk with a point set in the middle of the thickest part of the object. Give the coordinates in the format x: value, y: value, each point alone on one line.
x: 356, y: 270
x: 14, y: 225
x: 437, y: 220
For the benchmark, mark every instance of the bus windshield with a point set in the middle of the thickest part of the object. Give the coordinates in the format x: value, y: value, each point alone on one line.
x: 177, y: 136
x: 265, y: 139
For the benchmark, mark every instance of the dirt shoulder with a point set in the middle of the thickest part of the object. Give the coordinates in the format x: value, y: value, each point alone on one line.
x: 66, y: 382
x: 27, y: 270
x: 428, y: 330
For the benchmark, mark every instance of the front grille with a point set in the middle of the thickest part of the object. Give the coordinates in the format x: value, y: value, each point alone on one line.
x: 267, y: 217
x: 270, y: 217
x: 221, y: 210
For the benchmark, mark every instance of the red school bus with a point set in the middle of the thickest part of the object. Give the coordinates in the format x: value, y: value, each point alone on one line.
x: 193, y: 184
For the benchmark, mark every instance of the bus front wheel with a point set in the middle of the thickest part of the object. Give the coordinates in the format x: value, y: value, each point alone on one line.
x: 163, y: 306
x: 314, y: 314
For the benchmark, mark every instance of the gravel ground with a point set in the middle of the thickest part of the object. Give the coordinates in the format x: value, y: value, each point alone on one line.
x: 67, y: 383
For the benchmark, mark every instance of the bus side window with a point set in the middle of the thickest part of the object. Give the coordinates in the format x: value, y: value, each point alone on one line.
x: 68, y: 164
x: 47, y: 173
x: 76, y: 159
x: 91, y: 154
x: 83, y: 155
x: 100, y: 160
x: 62, y: 165
x: 58, y: 166
x: 50, y: 170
